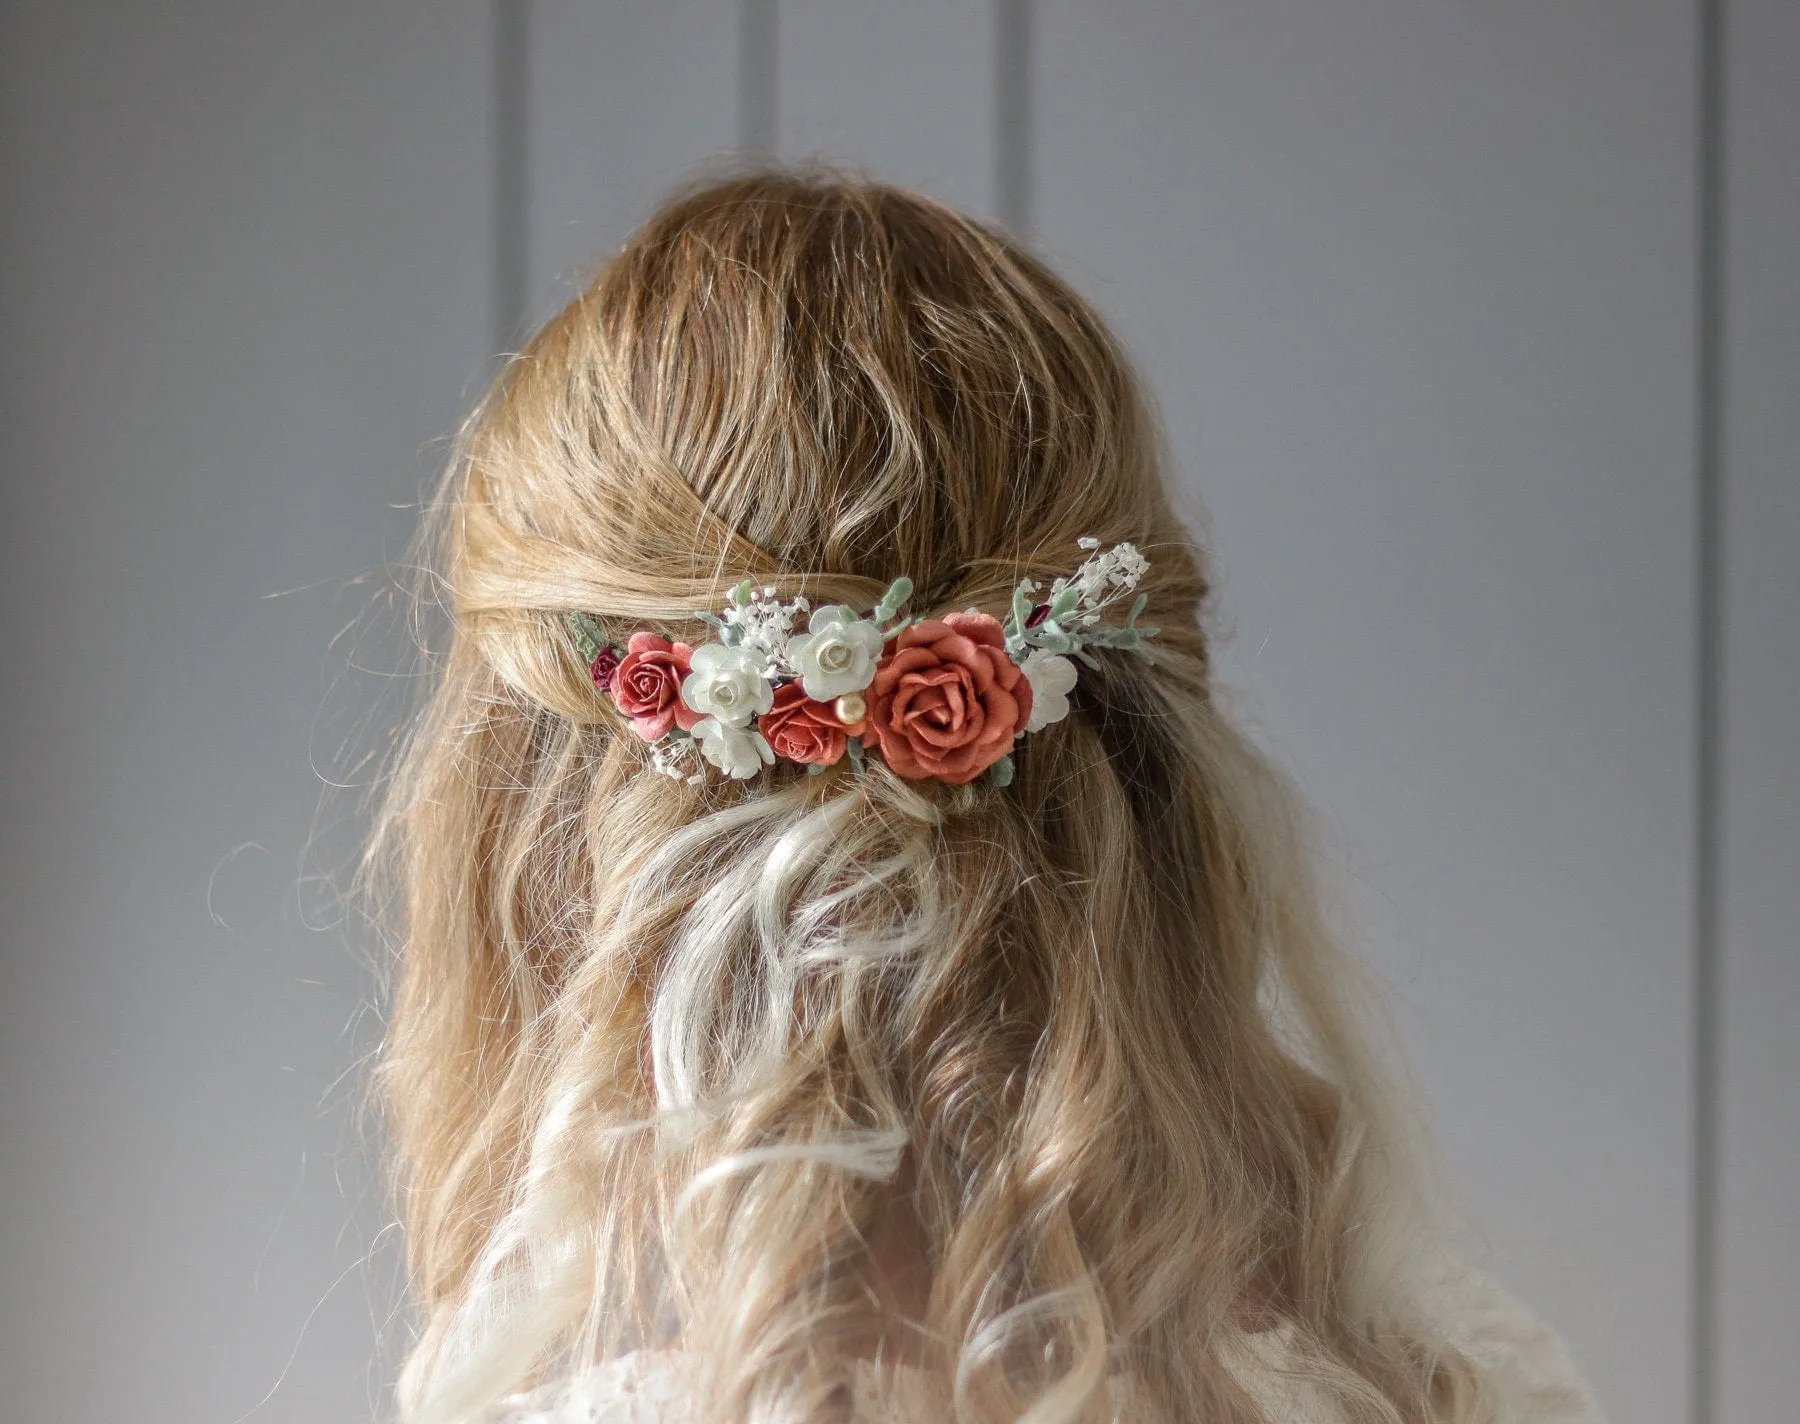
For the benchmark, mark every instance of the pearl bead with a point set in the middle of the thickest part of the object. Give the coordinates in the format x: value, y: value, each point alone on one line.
x: 851, y: 708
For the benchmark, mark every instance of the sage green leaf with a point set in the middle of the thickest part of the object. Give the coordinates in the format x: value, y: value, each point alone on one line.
x: 590, y: 637
x: 1001, y: 772
x: 1021, y: 610
x: 898, y: 592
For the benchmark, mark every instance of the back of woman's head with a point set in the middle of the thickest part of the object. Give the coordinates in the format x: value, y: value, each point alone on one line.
x: 669, y: 1058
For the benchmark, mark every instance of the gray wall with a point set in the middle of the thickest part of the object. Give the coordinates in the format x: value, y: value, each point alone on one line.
x: 1476, y: 333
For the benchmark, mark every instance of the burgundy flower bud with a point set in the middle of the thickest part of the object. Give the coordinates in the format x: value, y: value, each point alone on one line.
x: 605, y: 663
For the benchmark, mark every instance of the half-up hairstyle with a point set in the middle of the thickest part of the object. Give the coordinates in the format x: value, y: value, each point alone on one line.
x: 664, y: 1057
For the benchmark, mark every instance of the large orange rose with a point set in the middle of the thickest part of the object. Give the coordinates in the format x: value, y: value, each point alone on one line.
x: 803, y: 730
x: 947, y: 701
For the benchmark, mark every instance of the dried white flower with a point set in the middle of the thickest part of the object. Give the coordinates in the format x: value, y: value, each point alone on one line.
x: 674, y: 755
x: 763, y: 622
x: 1102, y: 578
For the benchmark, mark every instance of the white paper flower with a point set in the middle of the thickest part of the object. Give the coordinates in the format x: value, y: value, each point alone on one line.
x: 1052, y: 678
x: 838, y: 654
x: 731, y: 684
x: 739, y: 752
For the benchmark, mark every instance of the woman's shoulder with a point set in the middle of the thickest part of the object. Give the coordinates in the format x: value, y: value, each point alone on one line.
x: 659, y: 1387
x: 645, y: 1387
x: 1526, y: 1360
x: 1524, y: 1356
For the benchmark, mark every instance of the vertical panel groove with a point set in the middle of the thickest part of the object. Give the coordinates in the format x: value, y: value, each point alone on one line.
x: 1013, y: 118
x: 759, y: 40
x: 1709, y: 689
x: 511, y: 79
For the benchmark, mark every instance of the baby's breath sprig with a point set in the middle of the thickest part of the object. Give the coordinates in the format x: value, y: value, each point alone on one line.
x: 1068, y: 622
x: 756, y: 620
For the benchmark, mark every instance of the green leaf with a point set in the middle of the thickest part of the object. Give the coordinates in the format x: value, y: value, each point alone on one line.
x: 1064, y: 603
x: 1021, y: 610
x: 854, y: 748
x: 898, y: 592
x: 741, y: 594
x: 1001, y: 772
x: 590, y: 637
x: 1138, y: 605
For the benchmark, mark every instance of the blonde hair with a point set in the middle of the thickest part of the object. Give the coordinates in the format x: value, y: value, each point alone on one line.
x: 662, y: 1056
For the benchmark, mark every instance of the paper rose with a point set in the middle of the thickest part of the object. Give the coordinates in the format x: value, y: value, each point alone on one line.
x: 647, y: 682
x: 1052, y: 678
x: 602, y: 666
x: 947, y: 701
x: 739, y: 752
x: 804, y: 729
x: 837, y: 654
x: 730, y: 684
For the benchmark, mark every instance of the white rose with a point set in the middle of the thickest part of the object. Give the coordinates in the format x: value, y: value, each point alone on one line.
x: 739, y: 752
x: 838, y: 655
x: 731, y: 684
x: 1052, y: 678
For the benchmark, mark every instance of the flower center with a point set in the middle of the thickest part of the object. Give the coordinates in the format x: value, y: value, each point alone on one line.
x: 834, y: 656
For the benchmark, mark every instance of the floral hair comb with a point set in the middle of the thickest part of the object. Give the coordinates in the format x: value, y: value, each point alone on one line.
x: 942, y: 698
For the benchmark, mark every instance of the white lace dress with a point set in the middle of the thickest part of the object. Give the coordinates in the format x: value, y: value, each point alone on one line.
x: 653, y: 1386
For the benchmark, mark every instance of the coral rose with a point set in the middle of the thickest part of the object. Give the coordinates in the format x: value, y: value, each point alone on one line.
x: 947, y: 701
x: 647, y: 686
x: 804, y: 730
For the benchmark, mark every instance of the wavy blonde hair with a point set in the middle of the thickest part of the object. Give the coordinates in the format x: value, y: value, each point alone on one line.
x: 664, y: 1058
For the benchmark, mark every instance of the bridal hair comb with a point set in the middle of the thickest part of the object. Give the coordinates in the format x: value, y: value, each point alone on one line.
x: 942, y: 698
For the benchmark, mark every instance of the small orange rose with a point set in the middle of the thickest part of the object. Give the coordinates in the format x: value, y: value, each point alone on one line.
x: 804, y: 730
